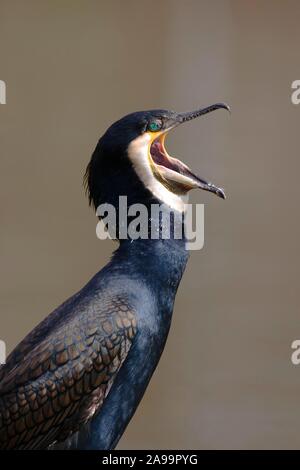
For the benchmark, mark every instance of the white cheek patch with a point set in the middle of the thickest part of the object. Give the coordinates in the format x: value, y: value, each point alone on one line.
x: 138, y: 153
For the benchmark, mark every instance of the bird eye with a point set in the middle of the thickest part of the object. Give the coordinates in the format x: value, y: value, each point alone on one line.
x: 155, y: 126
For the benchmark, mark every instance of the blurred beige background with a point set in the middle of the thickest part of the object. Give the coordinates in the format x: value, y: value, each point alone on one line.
x: 71, y: 68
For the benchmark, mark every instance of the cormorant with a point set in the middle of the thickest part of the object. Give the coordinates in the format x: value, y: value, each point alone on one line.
x: 76, y: 380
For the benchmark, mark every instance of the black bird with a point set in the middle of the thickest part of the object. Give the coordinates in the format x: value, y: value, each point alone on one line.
x: 76, y: 380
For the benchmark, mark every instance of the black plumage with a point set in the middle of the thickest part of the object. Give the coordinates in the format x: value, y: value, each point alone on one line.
x: 77, y: 378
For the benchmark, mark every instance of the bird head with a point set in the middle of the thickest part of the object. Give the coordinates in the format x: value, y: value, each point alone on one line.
x: 131, y: 159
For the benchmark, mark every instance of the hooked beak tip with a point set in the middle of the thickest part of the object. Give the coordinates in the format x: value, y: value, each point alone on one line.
x: 214, y: 189
x: 221, y: 193
x: 225, y: 106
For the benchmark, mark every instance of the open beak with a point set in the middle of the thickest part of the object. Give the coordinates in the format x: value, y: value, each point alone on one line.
x: 173, y: 173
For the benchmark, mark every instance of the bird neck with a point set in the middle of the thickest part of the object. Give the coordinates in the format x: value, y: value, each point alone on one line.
x: 159, y: 261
